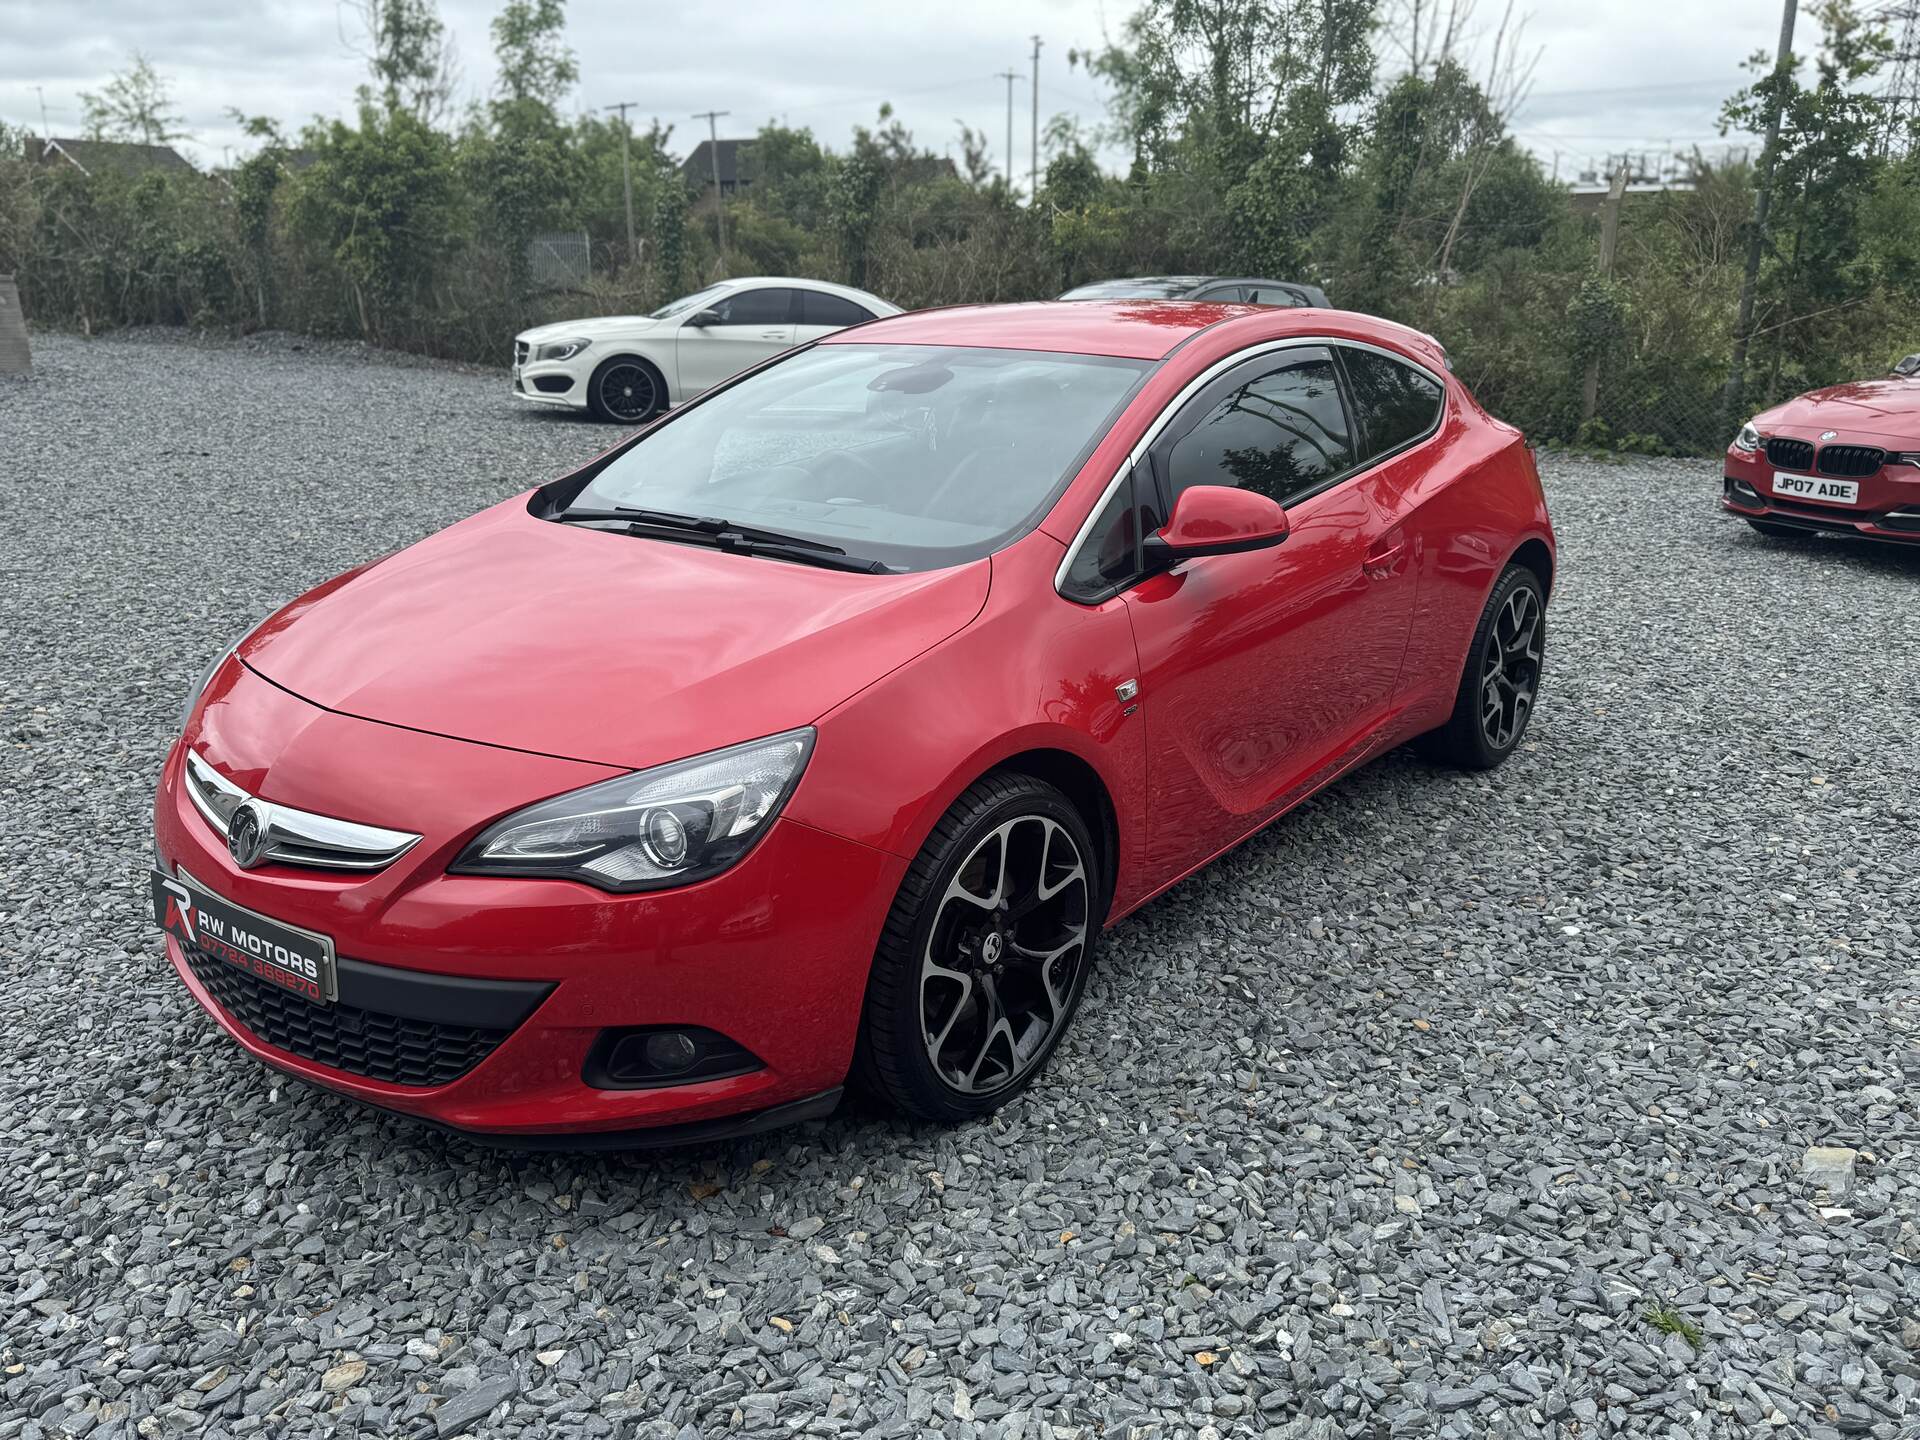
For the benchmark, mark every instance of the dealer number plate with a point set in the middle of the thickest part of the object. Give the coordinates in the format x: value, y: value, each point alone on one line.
x: 296, y: 960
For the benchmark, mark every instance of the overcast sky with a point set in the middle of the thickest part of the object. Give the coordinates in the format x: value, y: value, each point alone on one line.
x: 1613, y: 74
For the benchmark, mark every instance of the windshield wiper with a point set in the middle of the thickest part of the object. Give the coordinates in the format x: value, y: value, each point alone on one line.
x: 726, y: 535
x: 698, y: 524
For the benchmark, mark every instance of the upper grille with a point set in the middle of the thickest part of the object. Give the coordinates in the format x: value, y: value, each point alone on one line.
x: 1790, y: 454
x: 1851, y: 460
x: 393, y: 1048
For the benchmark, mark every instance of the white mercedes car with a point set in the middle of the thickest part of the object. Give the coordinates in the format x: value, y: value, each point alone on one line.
x: 627, y: 368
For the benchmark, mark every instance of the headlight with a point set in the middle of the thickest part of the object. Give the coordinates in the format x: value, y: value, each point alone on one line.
x: 560, y: 349
x: 670, y: 825
x: 1748, y: 438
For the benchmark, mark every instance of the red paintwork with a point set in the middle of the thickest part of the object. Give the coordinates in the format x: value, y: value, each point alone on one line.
x: 1205, y: 516
x: 1884, y: 412
x: 508, y: 659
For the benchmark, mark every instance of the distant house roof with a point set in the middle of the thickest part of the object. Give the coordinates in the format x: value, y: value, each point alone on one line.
x: 124, y: 157
x: 699, y: 166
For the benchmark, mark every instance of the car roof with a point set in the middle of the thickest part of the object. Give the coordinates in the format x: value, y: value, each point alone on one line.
x: 1130, y: 329
x: 796, y: 282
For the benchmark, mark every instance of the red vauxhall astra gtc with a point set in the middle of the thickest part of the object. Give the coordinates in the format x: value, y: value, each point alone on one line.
x: 821, y: 727
x: 1845, y: 459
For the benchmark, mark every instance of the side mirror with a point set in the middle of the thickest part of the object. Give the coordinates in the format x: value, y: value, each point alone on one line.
x: 703, y: 318
x: 1216, y: 520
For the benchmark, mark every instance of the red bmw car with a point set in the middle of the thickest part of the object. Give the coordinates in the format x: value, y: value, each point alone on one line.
x: 1845, y: 459
x: 819, y: 729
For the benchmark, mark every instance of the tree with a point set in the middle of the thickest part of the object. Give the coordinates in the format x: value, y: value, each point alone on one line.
x: 413, y: 60
x: 535, y: 64
x: 133, y: 105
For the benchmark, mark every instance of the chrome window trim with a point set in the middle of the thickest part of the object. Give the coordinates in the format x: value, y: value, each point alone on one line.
x: 1207, y: 377
x: 294, y: 837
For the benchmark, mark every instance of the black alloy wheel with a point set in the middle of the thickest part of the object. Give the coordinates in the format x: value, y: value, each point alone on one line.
x: 1500, y: 684
x: 626, y: 390
x: 985, y: 954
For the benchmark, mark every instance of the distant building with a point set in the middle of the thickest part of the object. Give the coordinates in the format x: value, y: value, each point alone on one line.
x: 699, y: 166
x: 736, y: 172
x: 119, y: 157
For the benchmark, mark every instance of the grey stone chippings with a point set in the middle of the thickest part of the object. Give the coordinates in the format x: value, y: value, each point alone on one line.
x: 1398, y: 1121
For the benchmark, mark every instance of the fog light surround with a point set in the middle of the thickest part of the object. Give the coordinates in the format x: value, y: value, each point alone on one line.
x: 648, y: 1057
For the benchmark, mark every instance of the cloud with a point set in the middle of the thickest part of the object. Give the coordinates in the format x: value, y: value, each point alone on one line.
x: 1633, y: 74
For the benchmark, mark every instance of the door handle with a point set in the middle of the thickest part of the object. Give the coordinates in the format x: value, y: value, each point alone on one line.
x: 1384, y: 559
x: 773, y: 334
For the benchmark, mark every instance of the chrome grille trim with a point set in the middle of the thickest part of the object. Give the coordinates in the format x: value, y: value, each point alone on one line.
x: 295, y: 837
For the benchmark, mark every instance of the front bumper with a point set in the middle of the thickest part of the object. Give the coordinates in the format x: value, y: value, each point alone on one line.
x: 559, y: 384
x: 1888, y: 506
x: 773, y: 954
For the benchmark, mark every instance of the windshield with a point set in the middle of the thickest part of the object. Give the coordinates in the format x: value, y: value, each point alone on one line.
x: 688, y: 302
x: 1169, y: 289
x: 914, y: 455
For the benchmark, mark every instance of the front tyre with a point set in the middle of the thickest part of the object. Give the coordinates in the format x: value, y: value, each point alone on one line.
x: 626, y: 390
x: 1501, y: 680
x: 984, y: 954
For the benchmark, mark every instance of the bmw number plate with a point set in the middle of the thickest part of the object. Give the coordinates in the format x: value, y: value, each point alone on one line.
x: 1817, y: 487
x: 296, y: 960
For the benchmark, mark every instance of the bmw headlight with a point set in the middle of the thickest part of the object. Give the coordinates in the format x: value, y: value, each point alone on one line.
x: 560, y: 349
x: 670, y: 825
x: 1748, y: 438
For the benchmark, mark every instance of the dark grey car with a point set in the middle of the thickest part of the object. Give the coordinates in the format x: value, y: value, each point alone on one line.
x: 1245, y: 291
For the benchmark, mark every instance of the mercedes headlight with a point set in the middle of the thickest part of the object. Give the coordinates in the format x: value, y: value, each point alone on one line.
x: 1748, y: 438
x: 560, y: 349
x: 671, y: 825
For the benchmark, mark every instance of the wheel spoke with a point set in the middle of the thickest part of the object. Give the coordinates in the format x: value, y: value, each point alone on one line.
x: 1004, y: 953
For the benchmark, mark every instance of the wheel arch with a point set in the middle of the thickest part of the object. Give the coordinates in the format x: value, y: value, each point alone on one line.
x: 1082, y: 784
x: 1534, y: 554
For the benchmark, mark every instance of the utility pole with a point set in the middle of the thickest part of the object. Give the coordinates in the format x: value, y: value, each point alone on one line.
x: 1762, y: 202
x: 626, y: 171
x: 1609, y: 242
x: 712, y: 117
x: 1033, y: 179
x: 1009, y: 76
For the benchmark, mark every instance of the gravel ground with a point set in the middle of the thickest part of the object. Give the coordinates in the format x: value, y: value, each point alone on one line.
x: 1402, y: 1120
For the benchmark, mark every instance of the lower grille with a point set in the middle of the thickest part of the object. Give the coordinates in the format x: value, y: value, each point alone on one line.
x: 1851, y: 460
x: 1790, y: 454
x: 392, y: 1048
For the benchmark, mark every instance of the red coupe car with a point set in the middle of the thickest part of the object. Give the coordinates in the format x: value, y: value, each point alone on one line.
x: 822, y: 726
x: 1845, y: 459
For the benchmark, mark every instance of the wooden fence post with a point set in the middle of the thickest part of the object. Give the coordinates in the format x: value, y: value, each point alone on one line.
x: 1609, y: 237
x: 15, y: 358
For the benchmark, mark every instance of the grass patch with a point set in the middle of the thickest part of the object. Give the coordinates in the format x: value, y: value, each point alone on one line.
x: 1672, y: 1322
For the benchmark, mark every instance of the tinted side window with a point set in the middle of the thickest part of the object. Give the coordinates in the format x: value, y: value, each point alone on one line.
x: 1394, y: 403
x: 1272, y: 295
x: 1226, y: 294
x: 757, y: 307
x: 1282, y: 432
x: 1109, y: 559
x: 818, y: 308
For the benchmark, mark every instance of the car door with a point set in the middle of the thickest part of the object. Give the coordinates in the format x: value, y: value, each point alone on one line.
x: 1263, y: 674
x: 822, y: 313
x: 734, y: 332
